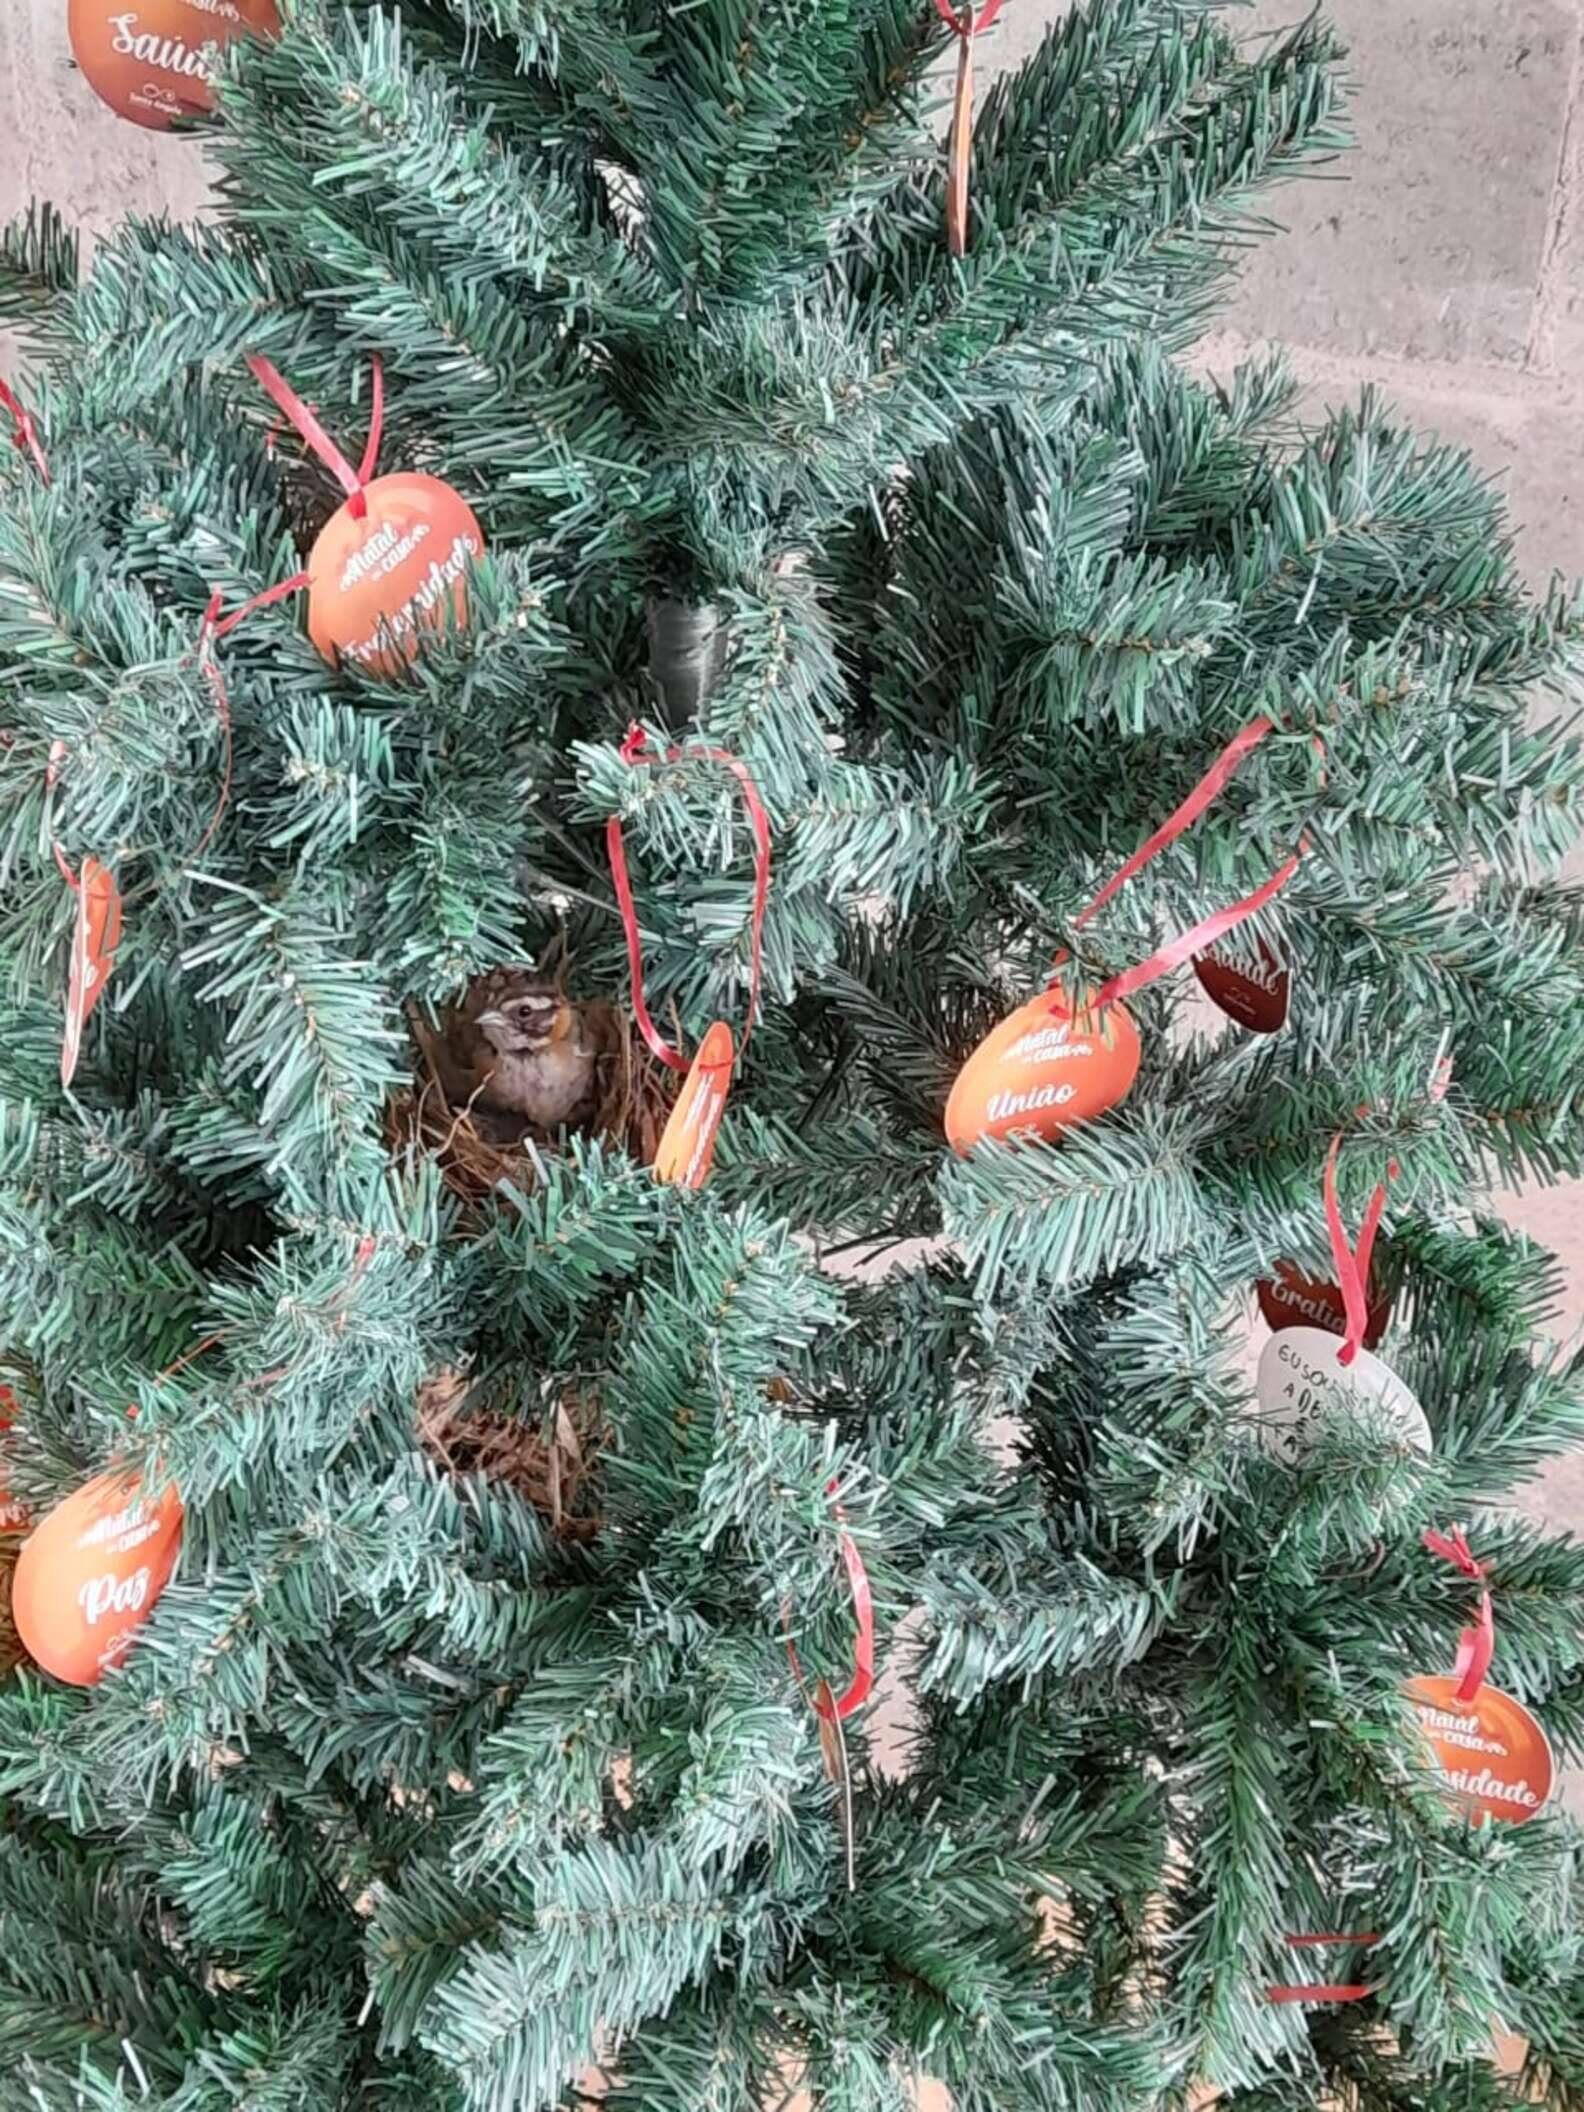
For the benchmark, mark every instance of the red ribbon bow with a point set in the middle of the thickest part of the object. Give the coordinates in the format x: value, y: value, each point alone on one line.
x: 24, y: 436
x: 1209, y: 929
x: 632, y: 751
x: 1476, y: 1645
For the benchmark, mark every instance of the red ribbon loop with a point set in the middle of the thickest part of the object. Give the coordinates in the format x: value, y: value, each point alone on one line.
x: 292, y: 407
x: 1205, y: 933
x: 219, y: 626
x: 1209, y: 929
x: 632, y: 751
x: 1352, y: 1265
x: 960, y: 24
x: 857, y: 1690
x: 1184, y: 816
x: 1477, y: 1644
x: 24, y: 436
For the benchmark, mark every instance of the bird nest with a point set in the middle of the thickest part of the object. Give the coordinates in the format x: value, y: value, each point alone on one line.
x: 635, y: 1098
x: 552, y: 1469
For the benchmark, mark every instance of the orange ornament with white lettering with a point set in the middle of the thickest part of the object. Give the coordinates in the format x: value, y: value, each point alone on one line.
x: 95, y: 936
x: 1493, y: 1759
x: 149, y: 60
x: 90, y: 1573
x: 1042, y: 1070
x: 379, y: 577
x: 687, y: 1146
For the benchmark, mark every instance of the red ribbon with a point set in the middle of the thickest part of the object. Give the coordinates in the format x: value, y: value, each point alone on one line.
x: 1324, y: 1991
x: 1321, y: 1991
x: 1183, y: 817
x: 291, y: 405
x: 632, y: 751
x: 214, y: 627
x: 24, y: 437
x: 961, y: 25
x: 858, y: 1686
x: 1205, y: 933
x: 1476, y: 1645
x: 1209, y: 929
x: 1352, y: 1265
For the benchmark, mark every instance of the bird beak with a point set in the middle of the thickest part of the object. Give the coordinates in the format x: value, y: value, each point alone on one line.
x: 492, y: 1019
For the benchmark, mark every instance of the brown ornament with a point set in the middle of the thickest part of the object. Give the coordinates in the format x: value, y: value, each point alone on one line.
x: 1291, y: 1299
x: 149, y: 60
x: 1254, y: 994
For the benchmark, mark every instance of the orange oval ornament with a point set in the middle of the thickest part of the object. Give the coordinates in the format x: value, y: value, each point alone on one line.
x: 90, y: 1573
x: 1291, y: 1299
x: 688, y: 1145
x: 377, y: 579
x: 1042, y: 1070
x: 148, y: 60
x: 1495, y: 1760
x: 1255, y: 994
x: 95, y: 936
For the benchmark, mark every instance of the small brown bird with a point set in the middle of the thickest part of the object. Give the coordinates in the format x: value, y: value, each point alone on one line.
x: 517, y: 1055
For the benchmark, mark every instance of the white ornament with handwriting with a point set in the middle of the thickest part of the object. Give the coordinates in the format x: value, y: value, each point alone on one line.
x: 1305, y: 1390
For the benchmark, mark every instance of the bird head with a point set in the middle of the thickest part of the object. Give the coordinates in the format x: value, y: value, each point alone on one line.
x: 526, y: 1022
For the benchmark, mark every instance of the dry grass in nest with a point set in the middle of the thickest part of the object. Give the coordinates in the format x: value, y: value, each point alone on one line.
x: 554, y: 1473
x: 635, y: 1099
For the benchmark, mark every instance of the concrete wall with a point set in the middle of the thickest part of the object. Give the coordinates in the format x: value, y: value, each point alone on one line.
x: 1443, y: 259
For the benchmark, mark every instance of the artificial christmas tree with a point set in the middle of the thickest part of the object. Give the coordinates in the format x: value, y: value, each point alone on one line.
x: 507, y: 1712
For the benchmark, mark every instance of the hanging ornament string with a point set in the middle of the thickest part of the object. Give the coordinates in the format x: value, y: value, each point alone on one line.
x: 352, y: 481
x: 959, y: 151
x: 1476, y: 1644
x: 823, y: 1702
x: 632, y: 751
x: 1352, y: 1264
x: 213, y: 627
x: 1324, y: 1991
x: 24, y: 434
x: 1209, y: 929
x: 1205, y: 933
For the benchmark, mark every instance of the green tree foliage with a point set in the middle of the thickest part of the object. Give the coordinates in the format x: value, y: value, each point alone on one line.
x: 408, y: 1797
